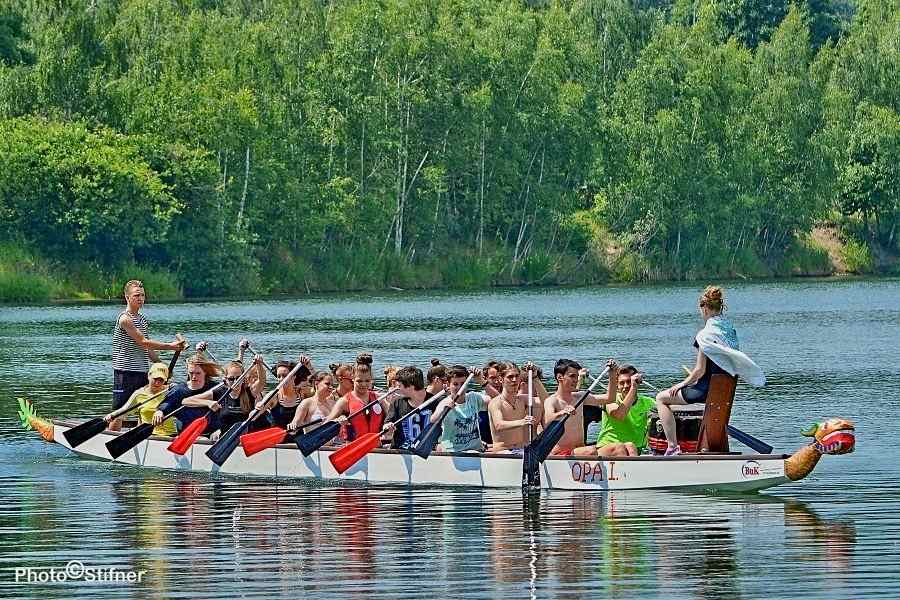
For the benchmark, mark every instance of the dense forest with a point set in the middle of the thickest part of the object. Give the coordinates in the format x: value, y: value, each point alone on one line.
x: 216, y: 147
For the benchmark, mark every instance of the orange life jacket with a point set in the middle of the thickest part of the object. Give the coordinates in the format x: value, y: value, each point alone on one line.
x: 369, y: 421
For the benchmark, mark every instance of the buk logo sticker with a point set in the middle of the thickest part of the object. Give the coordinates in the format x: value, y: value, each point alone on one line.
x: 376, y: 409
x: 750, y: 469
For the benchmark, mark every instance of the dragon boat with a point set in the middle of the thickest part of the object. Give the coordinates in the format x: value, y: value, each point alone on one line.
x: 721, y: 472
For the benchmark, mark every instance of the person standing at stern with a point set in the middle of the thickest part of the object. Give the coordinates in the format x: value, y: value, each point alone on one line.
x: 132, y: 348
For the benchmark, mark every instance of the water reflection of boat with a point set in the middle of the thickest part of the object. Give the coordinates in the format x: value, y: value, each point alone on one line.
x: 664, y: 544
x: 303, y: 539
x: 719, y: 472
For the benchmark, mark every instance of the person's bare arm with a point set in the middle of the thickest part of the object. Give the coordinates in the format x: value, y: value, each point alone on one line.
x: 304, y: 410
x: 126, y: 323
x: 439, y: 410
x: 618, y: 410
x: 694, y: 376
x: 555, y: 409
x: 612, y: 389
x: 258, y: 383
x: 500, y: 424
x: 596, y: 399
x: 339, y: 410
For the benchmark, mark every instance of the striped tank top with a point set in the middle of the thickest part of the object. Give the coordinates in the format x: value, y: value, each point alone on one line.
x: 127, y: 354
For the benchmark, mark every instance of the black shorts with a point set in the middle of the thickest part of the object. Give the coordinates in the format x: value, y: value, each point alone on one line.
x: 282, y: 415
x: 693, y: 394
x: 125, y: 383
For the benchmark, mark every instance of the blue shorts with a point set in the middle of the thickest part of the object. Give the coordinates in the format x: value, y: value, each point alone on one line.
x: 125, y: 383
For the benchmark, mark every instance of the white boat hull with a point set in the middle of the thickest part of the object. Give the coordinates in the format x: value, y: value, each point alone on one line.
x: 732, y: 472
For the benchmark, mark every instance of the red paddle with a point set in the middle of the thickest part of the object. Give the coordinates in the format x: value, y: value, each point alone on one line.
x: 195, y: 428
x: 349, y: 455
x: 268, y: 438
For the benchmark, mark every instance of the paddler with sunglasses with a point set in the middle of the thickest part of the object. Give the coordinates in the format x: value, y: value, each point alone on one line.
x: 283, y: 406
x: 233, y: 402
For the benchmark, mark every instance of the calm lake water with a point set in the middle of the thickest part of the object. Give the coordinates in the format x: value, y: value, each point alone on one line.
x: 828, y: 349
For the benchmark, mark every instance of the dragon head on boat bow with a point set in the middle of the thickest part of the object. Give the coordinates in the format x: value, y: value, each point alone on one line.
x: 834, y: 436
x: 31, y: 420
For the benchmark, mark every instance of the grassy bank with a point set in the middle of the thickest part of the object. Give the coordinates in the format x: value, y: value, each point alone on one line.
x: 26, y: 277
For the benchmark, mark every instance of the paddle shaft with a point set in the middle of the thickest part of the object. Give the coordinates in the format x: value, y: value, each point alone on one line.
x: 172, y: 364
x: 256, y: 412
x: 309, y: 424
x: 371, y: 404
x: 255, y: 354
x: 127, y: 409
x: 530, y: 405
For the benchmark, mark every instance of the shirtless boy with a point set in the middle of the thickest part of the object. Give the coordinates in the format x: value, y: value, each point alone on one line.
x: 568, y: 375
x: 509, y: 412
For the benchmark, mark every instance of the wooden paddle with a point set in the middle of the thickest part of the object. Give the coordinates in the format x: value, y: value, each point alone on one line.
x: 85, y: 431
x: 539, y: 449
x: 221, y: 450
x: 425, y: 443
x: 308, y: 443
x: 268, y: 438
x: 119, y: 445
x: 347, y: 456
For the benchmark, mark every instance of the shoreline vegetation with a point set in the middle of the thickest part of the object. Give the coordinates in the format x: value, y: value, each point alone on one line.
x: 26, y: 280
x: 223, y: 148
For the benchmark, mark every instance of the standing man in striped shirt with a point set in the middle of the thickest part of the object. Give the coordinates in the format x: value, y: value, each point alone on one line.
x: 133, y: 350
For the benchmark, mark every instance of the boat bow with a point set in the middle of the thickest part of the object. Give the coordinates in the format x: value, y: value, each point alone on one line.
x: 834, y: 436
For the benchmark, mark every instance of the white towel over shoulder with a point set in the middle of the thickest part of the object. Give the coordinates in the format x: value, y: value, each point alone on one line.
x: 718, y: 341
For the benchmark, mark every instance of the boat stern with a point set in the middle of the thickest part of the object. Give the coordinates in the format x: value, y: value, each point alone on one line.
x: 31, y: 420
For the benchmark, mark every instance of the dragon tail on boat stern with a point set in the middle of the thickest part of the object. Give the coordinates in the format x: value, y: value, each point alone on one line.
x: 31, y: 420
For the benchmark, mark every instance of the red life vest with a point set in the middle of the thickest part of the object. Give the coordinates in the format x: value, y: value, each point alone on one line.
x: 368, y: 421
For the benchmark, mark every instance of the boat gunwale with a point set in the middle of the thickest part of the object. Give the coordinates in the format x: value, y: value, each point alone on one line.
x: 508, y: 456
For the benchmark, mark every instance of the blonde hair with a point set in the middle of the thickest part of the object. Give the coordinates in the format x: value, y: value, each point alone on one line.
x: 210, y: 368
x: 713, y: 298
x: 132, y: 283
x: 390, y: 374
